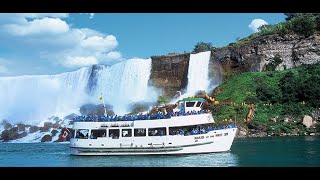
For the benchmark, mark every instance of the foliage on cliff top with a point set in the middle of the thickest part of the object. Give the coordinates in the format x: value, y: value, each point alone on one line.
x: 304, y: 24
x: 202, y: 47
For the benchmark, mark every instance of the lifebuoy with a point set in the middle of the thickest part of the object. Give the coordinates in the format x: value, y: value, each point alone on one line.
x: 65, y: 134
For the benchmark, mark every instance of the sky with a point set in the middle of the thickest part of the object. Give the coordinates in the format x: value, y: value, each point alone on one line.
x: 52, y: 43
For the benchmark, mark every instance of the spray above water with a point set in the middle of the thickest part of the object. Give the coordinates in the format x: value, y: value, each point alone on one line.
x: 125, y: 83
x: 33, y: 98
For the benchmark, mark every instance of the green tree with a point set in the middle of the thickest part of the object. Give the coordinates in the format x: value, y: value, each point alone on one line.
x: 311, y: 91
x: 264, y: 27
x: 289, y: 86
x: 163, y: 100
x: 202, y: 46
x: 291, y: 15
x: 268, y: 93
x: 304, y: 24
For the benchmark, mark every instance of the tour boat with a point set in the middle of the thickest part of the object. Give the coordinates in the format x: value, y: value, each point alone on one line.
x: 187, y: 130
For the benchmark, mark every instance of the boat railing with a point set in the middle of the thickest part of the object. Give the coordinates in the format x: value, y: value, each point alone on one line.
x: 155, y: 116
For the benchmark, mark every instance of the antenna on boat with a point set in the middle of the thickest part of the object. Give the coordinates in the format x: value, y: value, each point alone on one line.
x: 104, y: 106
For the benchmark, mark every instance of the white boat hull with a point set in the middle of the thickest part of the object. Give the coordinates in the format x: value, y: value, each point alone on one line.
x: 211, y: 142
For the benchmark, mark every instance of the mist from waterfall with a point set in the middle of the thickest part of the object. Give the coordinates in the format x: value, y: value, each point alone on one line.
x: 125, y: 83
x: 34, y: 98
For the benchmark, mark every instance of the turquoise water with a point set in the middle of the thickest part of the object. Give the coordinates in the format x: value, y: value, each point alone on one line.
x: 252, y: 152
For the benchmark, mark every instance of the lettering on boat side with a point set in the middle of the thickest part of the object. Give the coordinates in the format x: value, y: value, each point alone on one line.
x: 199, y: 137
x: 115, y: 125
x: 104, y: 125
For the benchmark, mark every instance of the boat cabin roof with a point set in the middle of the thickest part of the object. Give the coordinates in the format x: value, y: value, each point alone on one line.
x: 192, y: 99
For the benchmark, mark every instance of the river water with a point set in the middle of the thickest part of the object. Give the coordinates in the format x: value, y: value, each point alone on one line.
x: 249, y: 152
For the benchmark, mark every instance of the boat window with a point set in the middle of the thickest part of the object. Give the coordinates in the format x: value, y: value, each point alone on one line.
x: 126, y: 132
x: 181, y: 130
x: 190, y: 104
x: 208, y: 126
x: 95, y: 133
x: 157, y: 131
x: 191, y: 130
x: 82, y: 133
x: 114, y: 133
x: 198, y: 104
x: 140, y: 132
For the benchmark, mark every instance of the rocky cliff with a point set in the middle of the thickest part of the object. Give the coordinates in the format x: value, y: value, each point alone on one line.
x: 170, y: 72
x: 254, y: 55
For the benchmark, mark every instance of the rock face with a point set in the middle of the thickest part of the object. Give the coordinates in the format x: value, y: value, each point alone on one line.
x: 242, y: 132
x: 7, y: 126
x: 292, y: 49
x: 33, y: 129
x: 54, y: 132
x: 56, y: 125
x: 92, y: 82
x: 170, y: 73
x: 21, y: 127
x: 46, y: 126
x: 307, y: 121
x: 12, y: 134
x: 46, y: 138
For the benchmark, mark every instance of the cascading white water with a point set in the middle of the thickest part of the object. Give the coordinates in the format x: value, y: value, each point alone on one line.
x: 124, y: 83
x: 33, y: 98
x: 198, y: 73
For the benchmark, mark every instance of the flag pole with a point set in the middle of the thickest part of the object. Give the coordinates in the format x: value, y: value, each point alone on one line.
x: 104, y: 106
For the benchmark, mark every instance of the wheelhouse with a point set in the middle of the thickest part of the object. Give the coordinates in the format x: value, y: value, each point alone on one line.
x: 189, y: 105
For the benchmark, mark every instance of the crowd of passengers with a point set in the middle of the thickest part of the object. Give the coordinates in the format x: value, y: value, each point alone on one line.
x: 181, y: 132
x: 199, y: 130
x: 158, y: 115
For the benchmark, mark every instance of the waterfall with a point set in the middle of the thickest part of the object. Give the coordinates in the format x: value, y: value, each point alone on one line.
x: 125, y: 83
x: 34, y: 98
x: 198, y: 78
